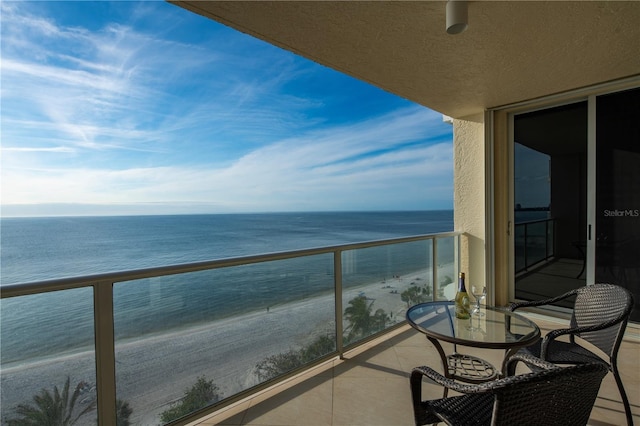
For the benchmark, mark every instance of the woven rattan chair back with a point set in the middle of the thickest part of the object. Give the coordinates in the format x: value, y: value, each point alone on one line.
x: 549, y: 395
x: 600, y: 316
x: 602, y: 303
x: 562, y: 396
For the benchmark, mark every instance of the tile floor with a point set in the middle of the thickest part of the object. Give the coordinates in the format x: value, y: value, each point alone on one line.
x: 371, y: 387
x: 550, y: 280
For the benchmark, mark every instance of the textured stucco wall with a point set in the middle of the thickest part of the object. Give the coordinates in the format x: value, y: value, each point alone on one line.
x: 469, y: 195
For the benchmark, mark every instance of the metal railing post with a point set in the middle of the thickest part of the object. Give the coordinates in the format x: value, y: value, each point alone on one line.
x: 105, y: 352
x: 337, y: 279
x: 434, y: 268
x: 546, y: 240
x: 526, y: 244
x: 553, y: 237
x: 456, y: 252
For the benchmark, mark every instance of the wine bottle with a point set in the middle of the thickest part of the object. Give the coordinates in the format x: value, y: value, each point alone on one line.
x: 462, y: 299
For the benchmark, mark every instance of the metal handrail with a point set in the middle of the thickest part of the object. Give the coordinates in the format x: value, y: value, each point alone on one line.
x: 102, y: 285
x: 23, y: 289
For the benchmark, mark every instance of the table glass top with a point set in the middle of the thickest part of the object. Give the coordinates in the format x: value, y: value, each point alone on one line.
x: 493, y: 328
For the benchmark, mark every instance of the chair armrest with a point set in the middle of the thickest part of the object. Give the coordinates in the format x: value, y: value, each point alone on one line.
x: 530, y: 361
x: 419, y: 372
x: 517, y: 305
x: 488, y: 387
x: 553, y: 334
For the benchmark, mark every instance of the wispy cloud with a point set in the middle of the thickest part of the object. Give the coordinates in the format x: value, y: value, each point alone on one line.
x: 35, y: 149
x: 126, y: 114
x: 298, y: 173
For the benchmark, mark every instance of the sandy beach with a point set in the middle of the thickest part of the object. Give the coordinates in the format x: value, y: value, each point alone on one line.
x: 154, y: 371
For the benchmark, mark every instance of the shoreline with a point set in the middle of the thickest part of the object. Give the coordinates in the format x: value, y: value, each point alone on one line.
x: 226, y: 351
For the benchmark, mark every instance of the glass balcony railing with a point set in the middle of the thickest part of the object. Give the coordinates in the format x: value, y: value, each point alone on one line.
x: 534, y: 243
x: 157, y: 345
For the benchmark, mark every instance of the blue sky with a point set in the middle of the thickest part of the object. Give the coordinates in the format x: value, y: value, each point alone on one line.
x: 146, y: 108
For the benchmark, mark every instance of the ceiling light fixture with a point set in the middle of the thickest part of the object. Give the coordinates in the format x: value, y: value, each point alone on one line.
x: 457, y: 16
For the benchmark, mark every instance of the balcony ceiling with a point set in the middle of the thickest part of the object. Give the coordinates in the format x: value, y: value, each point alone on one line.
x: 512, y: 50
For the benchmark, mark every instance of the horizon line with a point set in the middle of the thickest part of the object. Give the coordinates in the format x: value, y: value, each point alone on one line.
x: 51, y: 216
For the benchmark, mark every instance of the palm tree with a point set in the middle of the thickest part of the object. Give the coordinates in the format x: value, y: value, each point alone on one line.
x: 123, y: 412
x: 361, y: 321
x: 414, y: 295
x: 51, y: 409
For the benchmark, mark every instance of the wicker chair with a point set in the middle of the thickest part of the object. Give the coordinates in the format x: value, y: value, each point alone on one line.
x: 600, y: 316
x: 552, y: 395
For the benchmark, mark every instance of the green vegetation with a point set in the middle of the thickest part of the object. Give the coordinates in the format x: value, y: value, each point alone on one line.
x: 362, y: 322
x: 123, y: 412
x: 57, y: 408
x: 202, y: 393
x: 52, y: 408
x: 414, y: 295
x: 320, y: 347
x: 276, y: 365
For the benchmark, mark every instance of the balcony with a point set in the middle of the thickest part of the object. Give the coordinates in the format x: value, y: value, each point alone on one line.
x: 236, y: 326
x: 180, y: 336
x: 371, y: 386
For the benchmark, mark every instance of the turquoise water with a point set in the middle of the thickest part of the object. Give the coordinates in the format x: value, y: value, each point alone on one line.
x: 35, y: 249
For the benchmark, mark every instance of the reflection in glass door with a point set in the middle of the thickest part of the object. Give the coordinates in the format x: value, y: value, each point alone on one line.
x: 550, y: 195
x: 616, y: 237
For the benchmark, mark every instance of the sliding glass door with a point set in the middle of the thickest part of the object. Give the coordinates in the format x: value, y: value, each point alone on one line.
x: 550, y: 194
x: 615, y: 236
x: 576, y: 194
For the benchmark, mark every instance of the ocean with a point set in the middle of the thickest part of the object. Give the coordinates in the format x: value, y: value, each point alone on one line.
x: 36, y: 249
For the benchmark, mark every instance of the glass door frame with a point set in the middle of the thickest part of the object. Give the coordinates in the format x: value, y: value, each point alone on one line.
x: 493, y: 144
x: 556, y: 104
x: 590, y: 266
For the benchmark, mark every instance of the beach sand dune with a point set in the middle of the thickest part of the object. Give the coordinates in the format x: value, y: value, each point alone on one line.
x: 154, y: 371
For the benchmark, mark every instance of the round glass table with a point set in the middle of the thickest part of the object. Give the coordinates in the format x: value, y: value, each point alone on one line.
x: 491, y: 328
